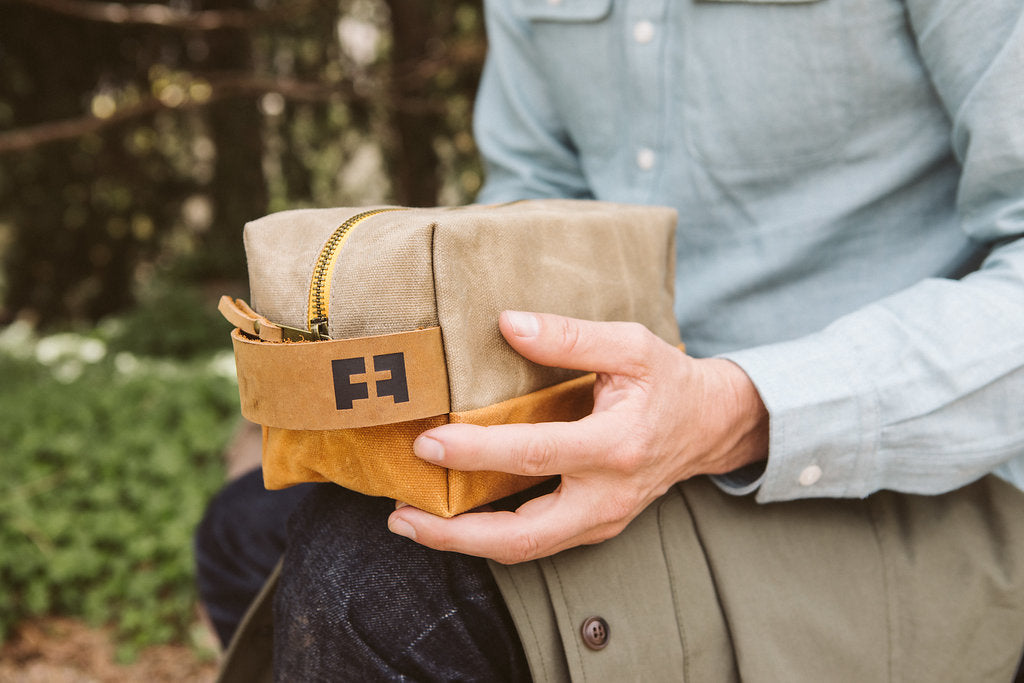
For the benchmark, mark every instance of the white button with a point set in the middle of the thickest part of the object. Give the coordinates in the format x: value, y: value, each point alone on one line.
x: 643, y: 32
x: 810, y: 475
x: 645, y: 158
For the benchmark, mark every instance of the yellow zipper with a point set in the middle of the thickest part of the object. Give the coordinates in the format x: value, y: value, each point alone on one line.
x: 320, y: 284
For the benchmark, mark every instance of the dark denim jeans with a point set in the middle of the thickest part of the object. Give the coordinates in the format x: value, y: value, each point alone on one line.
x: 355, y: 602
x: 237, y: 544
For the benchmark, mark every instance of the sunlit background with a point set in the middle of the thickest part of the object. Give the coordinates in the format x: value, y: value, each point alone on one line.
x: 136, y: 139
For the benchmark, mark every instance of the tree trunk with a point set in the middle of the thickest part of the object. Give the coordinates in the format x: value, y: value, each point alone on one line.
x: 414, y: 168
x: 238, y: 192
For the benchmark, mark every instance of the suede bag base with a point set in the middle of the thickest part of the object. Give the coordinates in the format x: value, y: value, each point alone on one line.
x: 379, y: 461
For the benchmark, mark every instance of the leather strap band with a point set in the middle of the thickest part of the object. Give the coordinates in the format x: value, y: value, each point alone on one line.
x: 342, y: 383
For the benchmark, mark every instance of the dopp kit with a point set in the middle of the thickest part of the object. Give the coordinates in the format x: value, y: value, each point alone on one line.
x: 370, y: 326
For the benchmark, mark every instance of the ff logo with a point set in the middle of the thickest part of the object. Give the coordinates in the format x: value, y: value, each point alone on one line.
x: 346, y: 391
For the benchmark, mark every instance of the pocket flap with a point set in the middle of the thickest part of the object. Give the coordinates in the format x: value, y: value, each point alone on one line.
x: 762, y: 2
x: 564, y: 10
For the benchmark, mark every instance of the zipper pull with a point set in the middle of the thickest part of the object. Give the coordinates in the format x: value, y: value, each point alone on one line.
x: 318, y: 328
x: 239, y: 314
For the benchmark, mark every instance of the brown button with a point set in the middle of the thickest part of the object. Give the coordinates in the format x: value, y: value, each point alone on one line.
x: 595, y: 633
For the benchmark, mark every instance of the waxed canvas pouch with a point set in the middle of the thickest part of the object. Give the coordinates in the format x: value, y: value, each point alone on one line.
x: 369, y: 326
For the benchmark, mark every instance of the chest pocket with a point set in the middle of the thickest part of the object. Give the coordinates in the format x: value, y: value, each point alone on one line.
x: 766, y: 82
x: 573, y: 42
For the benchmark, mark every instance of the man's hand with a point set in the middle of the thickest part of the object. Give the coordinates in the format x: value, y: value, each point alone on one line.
x: 659, y: 417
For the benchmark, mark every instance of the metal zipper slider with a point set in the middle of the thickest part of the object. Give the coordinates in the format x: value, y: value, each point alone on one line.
x: 318, y: 327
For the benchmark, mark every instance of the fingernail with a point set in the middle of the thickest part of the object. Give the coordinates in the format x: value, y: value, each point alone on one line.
x: 523, y: 324
x: 400, y: 504
x: 402, y: 528
x: 428, y: 449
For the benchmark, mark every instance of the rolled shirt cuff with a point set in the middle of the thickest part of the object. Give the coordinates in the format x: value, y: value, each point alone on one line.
x: 823, y: 422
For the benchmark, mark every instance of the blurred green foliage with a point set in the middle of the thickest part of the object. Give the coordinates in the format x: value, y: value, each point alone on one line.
x: 108, y: 460
x: 134, y: 145
x: 173, y: 321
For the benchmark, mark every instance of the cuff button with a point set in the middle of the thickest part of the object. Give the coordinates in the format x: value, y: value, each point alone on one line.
x: 810, y: 475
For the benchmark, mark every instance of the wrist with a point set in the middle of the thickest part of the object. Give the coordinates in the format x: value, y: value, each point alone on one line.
x: 744, y: 419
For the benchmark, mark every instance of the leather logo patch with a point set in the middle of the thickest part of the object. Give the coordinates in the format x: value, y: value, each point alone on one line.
x: 342, y: 383
x: 346, y: 391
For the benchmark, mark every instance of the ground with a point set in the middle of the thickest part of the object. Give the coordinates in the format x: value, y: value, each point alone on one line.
x: 60, y: 650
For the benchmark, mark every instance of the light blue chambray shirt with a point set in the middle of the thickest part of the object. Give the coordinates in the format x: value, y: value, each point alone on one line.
x: 849, y: 176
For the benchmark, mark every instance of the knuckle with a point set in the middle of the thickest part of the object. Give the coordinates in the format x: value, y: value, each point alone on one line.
x: 607, y: 532
x: 636, y: 335
x: 648, y: 342
x: 520, y: 548
x: 636, y: 332
x: 568, y: 335
x: 436, y: 537
x: 536, y: 456
x: 642, y: 345
x: 630, y: 457
x: 616, y: 509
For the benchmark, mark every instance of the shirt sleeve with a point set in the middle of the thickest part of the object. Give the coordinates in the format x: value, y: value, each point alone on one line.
x: 527, y: 151
x: 921, y: 392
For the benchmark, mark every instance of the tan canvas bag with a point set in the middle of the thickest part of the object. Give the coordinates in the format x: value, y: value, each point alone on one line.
x: 369, y: 326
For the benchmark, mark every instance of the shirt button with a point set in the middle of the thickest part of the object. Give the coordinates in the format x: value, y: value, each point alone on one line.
x: 595, y: 633
x: 810, y: 475
x: 645, y: 159
x: 643, y: 32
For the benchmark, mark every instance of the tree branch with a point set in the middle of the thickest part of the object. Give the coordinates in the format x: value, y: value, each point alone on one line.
x: 21, y: 139
x: 222, y: 86
x: 161, y: 15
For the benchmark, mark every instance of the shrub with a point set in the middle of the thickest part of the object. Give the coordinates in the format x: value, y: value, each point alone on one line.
x: 107, y: 462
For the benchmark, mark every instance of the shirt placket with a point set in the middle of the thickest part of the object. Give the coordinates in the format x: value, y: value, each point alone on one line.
x: 645, y: 43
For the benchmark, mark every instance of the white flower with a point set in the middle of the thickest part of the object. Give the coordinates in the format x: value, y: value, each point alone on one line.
x: 92, y: 350
x: 68, y: 371
x: 126, y: 363
x: 57, y: 347
x: 223, y: 365
x: 17, y: 339
x: 50, y: 349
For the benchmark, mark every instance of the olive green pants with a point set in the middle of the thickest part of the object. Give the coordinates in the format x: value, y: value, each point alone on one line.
x: 704, y: 586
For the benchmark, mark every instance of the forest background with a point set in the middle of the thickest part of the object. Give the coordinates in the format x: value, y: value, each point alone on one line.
x: 136, y: 139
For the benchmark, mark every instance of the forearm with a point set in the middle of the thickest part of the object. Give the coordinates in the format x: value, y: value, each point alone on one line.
x: 918, y: 393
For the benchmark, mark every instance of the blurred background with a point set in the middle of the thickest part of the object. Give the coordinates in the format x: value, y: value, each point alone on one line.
x: 136, y: 139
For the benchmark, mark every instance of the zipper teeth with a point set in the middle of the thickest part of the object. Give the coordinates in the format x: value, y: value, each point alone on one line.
x: 320, y: 284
